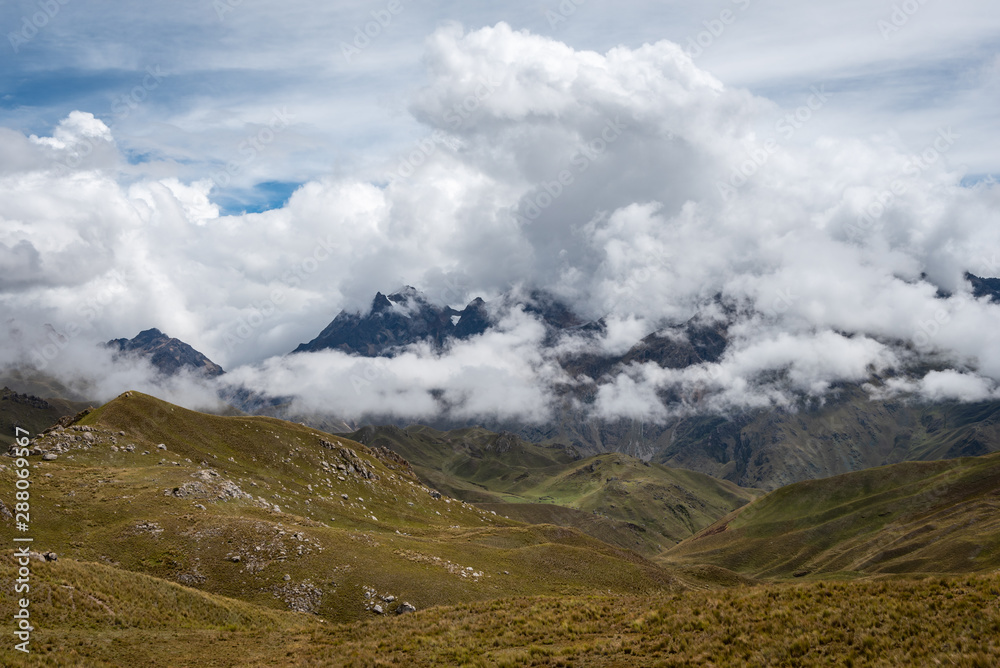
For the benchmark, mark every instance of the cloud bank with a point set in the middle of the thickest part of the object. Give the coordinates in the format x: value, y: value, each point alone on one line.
x: 631, y: 184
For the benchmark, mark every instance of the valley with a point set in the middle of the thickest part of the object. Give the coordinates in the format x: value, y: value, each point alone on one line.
x: 308, y: 548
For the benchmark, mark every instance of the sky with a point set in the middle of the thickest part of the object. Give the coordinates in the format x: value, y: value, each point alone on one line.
x: 236, y: 172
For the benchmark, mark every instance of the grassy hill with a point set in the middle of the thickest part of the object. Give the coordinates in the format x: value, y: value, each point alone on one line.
x: 619, y: 499
x: 941, y: 517
x: 285, y: 517
x: 95, y: 616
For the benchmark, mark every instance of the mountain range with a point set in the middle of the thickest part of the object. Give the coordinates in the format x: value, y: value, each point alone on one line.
x: 759, y: 448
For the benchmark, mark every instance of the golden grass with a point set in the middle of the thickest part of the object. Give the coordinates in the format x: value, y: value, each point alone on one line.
x: 877, y: 622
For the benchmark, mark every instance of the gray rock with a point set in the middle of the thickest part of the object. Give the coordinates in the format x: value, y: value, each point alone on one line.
x: 161, y: 446
x: 377, y: 609
x: 404, y: 608
x: 49, y: 456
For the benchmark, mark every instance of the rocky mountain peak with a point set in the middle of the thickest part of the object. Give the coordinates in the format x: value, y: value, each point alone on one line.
x: 167, y: 354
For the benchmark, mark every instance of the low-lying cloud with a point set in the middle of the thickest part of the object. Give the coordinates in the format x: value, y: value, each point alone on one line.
x: 631, y: 184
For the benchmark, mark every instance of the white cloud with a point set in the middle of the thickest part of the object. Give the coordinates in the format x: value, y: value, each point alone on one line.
x: 947, y: 385
x: 593, y: 175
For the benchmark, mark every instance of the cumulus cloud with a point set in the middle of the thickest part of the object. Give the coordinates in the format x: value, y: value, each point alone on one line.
x: 632, y: 184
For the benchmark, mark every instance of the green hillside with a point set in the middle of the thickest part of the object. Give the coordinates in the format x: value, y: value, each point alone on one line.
x: 285, y: 517
x: 850, y: 432
x: 632, y: 503
x: 940, y: 517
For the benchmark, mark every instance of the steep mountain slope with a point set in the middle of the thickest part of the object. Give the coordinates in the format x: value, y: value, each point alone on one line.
x: 285, y: 517
x: 400, y: 319
x: 984, y: 287
x: 31, y: 413
x: 632, y: 503
x: 850, y: 433
x: 906, y: 518
x: 757, y: 448
x: 167, y: 354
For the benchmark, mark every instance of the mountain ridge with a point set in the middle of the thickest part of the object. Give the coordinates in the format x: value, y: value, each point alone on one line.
x: 168, y: 355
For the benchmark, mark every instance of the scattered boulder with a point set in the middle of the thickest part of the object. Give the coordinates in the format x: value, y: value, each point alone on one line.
x: 303, y: 597
x: 377, y: 609
x: 50, y: 456
x: 161, y: 446
x: 404, y: 608
x: 151, y: 528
